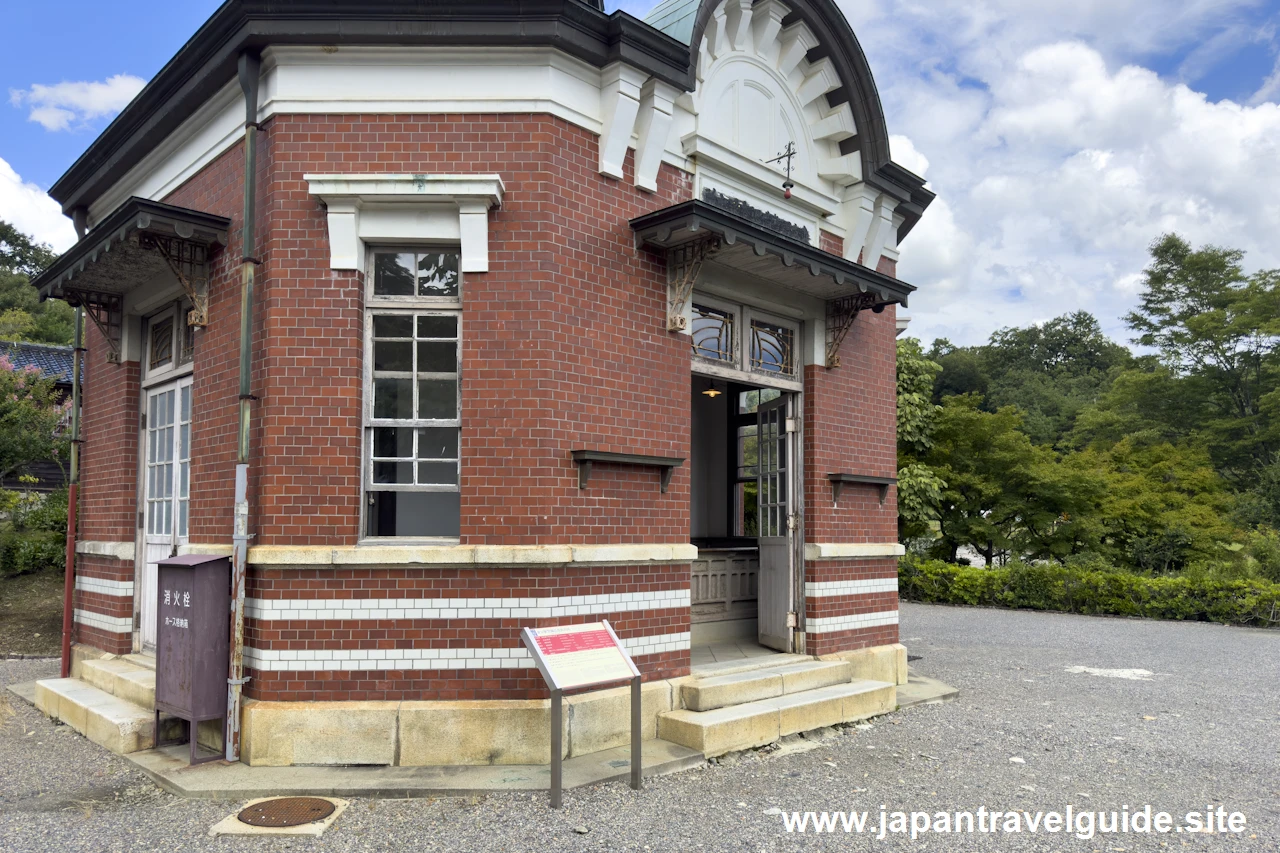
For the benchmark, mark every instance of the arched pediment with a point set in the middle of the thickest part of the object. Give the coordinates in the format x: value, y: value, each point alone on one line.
x: 811, y: 37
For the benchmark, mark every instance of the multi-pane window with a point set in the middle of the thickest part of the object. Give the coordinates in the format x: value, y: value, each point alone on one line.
x: 714, y: 333
x: 772, y: 348
x: 412, y: 423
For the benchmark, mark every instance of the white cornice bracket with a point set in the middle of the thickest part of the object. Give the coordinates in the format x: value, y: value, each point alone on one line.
x: 657, y: 103
x: 407, y: 209
x: 619, y: 105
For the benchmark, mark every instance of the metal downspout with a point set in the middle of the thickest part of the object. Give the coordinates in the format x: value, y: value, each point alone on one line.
x: 250, y: 69
x: 73, y: 495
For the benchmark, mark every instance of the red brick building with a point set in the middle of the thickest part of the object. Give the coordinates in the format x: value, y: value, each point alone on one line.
x: 545, y: 327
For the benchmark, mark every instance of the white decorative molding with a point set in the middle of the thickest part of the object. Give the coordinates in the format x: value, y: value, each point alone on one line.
x: 341, y: 660
x: 866, y: 586
x: 407, y: 208
x: 619, y: 106
x: 882, y: 232
x: 347, y: 609
x: 115, y: 589
x: 657, y: 103
x: 851, y: 550
x: 110, y: 624
x: 811, y: 200
x: 115, y: 550
x: 458, y: 555
x: 852, y: 622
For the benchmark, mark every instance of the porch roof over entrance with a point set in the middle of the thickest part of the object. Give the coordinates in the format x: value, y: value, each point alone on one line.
x: 730, y: 239
x: 129, y: 248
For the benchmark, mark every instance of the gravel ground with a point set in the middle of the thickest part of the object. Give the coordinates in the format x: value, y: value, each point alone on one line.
x: 1203, y: 729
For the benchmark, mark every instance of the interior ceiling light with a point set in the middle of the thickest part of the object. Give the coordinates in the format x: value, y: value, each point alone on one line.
x: 712, y: 392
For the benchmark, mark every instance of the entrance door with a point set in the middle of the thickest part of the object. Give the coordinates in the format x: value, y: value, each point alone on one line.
x: 774, y: 503
x: 166, y: 486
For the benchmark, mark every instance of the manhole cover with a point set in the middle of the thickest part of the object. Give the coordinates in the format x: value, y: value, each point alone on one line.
x: 286, y: 811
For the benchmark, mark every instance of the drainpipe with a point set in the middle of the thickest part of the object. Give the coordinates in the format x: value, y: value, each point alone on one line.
x: 73, y: 495
x: 250, y: 68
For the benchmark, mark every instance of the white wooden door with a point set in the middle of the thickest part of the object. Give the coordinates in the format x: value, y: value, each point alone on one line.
x: 774, y: 501
x: 166, y: 489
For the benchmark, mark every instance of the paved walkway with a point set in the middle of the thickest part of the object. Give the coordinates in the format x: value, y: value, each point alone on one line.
x: 1066, y: 695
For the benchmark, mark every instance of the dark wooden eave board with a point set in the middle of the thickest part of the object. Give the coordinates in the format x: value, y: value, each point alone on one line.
x: 207, y: 62
x: 757, y: 251
x: 109, y: 259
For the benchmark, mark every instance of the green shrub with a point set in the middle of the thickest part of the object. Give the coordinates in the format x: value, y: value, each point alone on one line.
x: 26, y: 552
x: 33, y: 511
x: 1088, y: 587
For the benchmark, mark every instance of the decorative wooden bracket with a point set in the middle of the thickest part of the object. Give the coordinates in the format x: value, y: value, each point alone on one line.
x: 584, y: 458
x: 684, y: 263
x: 105, y: 310
x: 189, y: 262
x: 841, y: 313
x: 838, y: 481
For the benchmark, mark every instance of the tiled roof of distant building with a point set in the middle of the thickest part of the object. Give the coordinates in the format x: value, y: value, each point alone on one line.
x: 52, y: 360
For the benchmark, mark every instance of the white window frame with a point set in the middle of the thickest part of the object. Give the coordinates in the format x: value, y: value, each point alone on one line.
x: 176, y: 368
x: 740, y: 369
x: 410, y: 306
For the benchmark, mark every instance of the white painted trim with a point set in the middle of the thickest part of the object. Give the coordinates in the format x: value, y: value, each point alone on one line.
x: 619, y: 106
x: 116, y: 550
x: 346, y: 609
x: 111, y: 624
x: 452, y: 208
x: 866, y: 586
x: 848, y: 550
x: 342, y: 660
x: 813, y: 201
x: 116, y: 589
x: 852, y: 622
x: 457, y: 555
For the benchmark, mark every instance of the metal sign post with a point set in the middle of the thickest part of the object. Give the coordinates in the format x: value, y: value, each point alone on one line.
x: 578, y: 657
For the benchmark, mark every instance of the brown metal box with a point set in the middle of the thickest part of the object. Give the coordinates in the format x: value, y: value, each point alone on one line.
x: 192, y: 640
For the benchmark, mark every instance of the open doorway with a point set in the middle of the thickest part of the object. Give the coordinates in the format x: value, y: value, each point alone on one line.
x: 743, y: 464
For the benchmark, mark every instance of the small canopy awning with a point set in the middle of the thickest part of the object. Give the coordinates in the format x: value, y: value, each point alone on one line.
x: 140, y: 240
x: 742, y: 244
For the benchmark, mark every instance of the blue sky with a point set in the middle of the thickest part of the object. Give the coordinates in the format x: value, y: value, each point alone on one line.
x: 1062, y: 136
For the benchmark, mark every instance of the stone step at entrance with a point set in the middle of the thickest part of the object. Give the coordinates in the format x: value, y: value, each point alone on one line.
x: 719, y: 691
x: 104, y: 718
x: 123, y: 679
x: 759, y: 722
x: 144, y: 661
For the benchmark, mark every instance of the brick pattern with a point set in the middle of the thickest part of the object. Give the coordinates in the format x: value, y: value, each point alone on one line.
x: 109, y: 456
x: 830, y: 243
x: 635, y: 599
x: 107, y: 641
x: 564, y: 343
x: 838, y: 604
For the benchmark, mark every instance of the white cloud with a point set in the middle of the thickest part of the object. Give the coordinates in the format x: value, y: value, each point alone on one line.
x: 1058, y: 157
x: 27, y: 207
x: 68, y: 105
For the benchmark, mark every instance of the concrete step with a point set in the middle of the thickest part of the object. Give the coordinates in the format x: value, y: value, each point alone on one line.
x: 107, y: 720
x: 123, y: 679
x: 763, y: 721
x: 721, y: 691
x: 144, y: 661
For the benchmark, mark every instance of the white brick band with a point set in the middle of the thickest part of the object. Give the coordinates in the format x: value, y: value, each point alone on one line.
x: 852, y: 550
x: 268, y: 609
x: 112, y: 624
x: 830, y: 589
x: 852, y: 622
x: 115, y: 550
x: 339, y: 660
x: 118, y: 589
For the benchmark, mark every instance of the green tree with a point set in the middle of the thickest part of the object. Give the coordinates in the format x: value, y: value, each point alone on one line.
x: 919, y: 488
x: 1216, y: 331
x: 1005, y: 495
x: 23, y: 317
x: 32, y: 421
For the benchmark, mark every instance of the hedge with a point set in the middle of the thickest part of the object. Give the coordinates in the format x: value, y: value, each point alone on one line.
x: 29, y: 551
x: 1073, y: 590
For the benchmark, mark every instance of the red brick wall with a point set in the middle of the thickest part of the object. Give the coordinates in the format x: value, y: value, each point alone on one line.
x: 849, y: 605
x: 565, y: 345
x: 829, y: 242
x: 109, y: 456
x: 103, y: 568
x: 485, y: 586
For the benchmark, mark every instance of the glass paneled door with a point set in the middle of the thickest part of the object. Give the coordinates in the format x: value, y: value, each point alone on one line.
x: 775, y: 495
x: 166, y: 488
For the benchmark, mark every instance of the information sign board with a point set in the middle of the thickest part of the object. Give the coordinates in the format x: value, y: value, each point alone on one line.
x: 572, y: 657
